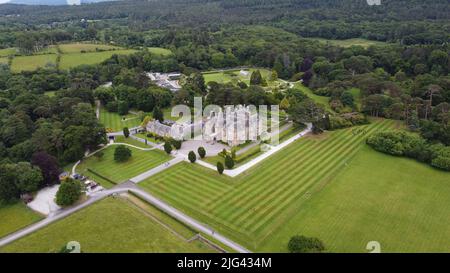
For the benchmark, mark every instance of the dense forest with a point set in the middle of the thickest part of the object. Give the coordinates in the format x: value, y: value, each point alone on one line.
x: 405, y: 79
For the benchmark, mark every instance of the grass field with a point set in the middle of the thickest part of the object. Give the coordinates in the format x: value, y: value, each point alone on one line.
x: 15, y: 217
x: 232, y: 75
x: 87, y: 47
x: 4, y: 60
x: 7, y: 52
x: 131, y: 141
x: 76, y: 59
x: 115, y: 122
x: 349, y: 42
x: 139, y: 162
x: 398, y: 202
x: 30, y: 63
x: 318, y: 99
x: 160, y: 51
x: 254, y: 205
x: 111, y: 225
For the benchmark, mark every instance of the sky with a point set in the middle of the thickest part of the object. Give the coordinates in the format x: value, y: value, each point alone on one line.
x: 3, y: 1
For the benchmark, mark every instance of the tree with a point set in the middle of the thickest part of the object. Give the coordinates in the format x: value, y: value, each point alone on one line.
x: 49, y: 167
x: 167, y: 147
x: 220, y: 167
x: 192, y: 157
x: 302, y: 244
x: 256, y: 78
x: 68, y: 193
x: 122, y: 107
x: 229, y: 162
x: 122, y: 153
x: 8, y: 188
x: 126, y: 132
x: 347, y: 98
x: 28, y: 178
x: 158, y: 114
x: 176, y: 143
x: 284, y: 104
x: 201, y: 152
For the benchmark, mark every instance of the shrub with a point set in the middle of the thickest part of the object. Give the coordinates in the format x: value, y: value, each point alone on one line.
x: 413, y: 146
x: 176, y: 143
x: 111, y: 106
x: 122, y: 153
x: 192, y: 157
x: 201, y: 152
x: 68, y: 193
x: 229, y: 162
x: 302, y: 244
x: 337, y: 122
x: 220, y: 167
x: 126, y: 132
x: 167, y: 147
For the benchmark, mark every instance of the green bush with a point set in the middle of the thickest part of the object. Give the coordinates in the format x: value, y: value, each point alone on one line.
x: 68, y: 193
x: 122, y: 153
x: 201, y: 152
x: 220, y: 167
x: 176, y: 143
x: 302, y: 244
x: 413, y: 146
x: 229, y: 162
x: 192, y: 157
x: 126, y: 132
x: 167, y: 147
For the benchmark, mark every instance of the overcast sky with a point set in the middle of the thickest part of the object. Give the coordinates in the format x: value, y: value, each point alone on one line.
x: 3, y: 1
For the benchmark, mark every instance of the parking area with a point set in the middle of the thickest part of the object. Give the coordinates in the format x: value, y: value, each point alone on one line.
x: 44, y: 201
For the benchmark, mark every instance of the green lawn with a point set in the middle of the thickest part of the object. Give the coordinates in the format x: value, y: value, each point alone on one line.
x: 15, y: 217
x: 111, y: 225
x: 232, y: 75
x: 139, y: 162
x: 4, y: 60
x: 254, y: 205
x: 131, y: 141
x: 160, y: 51
x: 318, y: 99
x: 349, y: 42
x: 398, y: 202
x: 33, y: 62
x: 75, y: 59
x: 115, y: 122
x: 87, y: 47
x: 8, y: 52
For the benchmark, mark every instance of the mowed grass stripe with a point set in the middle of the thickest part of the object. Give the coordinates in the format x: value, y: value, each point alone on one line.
x: 323, y: 174
x: 185, y: 203
x: 279, y: 190
x: 258, y: 177
x: 280, y: 186
x: 257, y: 187
x: 194, y: 180
x: 314, y: 172
x: 311, y: 163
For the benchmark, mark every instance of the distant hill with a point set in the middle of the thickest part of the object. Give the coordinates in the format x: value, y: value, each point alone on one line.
x: 54, y: 2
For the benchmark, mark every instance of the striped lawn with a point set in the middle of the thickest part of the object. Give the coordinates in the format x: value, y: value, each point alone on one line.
x: 250, y: 207
x: 139, y: 162
x: 115, y: 121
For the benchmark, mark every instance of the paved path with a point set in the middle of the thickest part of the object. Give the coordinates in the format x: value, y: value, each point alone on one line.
x: 127, y: 187
x: 157, y: 169
x: 273, y: 149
